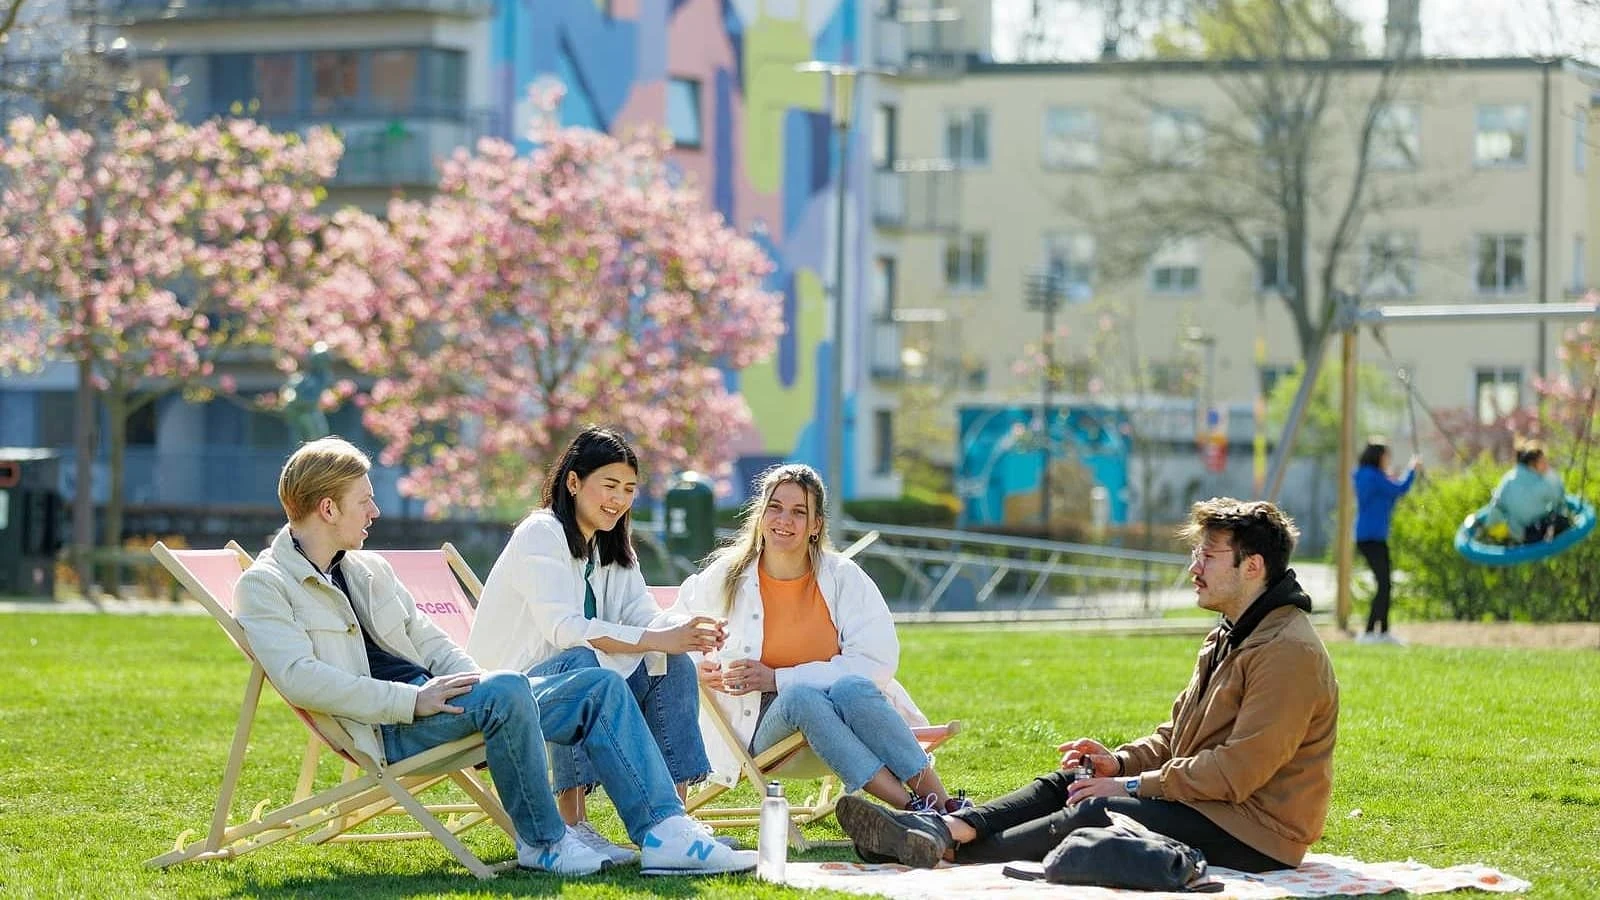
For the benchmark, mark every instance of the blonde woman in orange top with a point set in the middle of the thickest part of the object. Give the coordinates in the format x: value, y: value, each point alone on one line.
x: 810, y: 647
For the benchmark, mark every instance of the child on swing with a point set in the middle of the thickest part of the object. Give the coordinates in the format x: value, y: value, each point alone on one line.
x: 1530, y: 500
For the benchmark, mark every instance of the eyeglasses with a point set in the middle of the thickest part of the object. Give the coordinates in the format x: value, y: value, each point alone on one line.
x: 1198, y: 555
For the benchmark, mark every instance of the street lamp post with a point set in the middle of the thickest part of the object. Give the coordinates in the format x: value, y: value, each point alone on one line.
x: 840, y: 85
x: 1045, y: 294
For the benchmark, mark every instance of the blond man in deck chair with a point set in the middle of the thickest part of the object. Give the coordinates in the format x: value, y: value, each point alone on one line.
x: 337, y: 633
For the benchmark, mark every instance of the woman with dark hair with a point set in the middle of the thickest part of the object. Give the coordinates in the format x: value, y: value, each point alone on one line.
x: 1530, y: 500
x: 566, y: 593
x: 1376, y: 494
x: 814, y: 646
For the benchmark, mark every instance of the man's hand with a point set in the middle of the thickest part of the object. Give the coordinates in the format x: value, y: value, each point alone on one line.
x: 744, y: 676
x: 1073, y: 752
x: 701, y: 634
x: 437, y: 693
x: 711, y: 674
x: 1084, y: 788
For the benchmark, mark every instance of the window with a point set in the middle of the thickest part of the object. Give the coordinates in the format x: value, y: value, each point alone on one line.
x: 1502, y: 138
x: 1069, y: 256
x: 1396, y: 138
x: 1580, y: 274
x: 883, y: 441
x: 1272, y: 263
x: 1177, y: 138
x: 1497, y: 392
x: 966, y: 262
x: 277, y: 84
x: 335, y: 81
x: 444, y: 84
x: 1071, y: 139
x: 394, y: 80
x: 883, y: 286
x: 1170, y: 378
x: 1500, y: 268
x: 1389, y: 268
x: 1175, y: 267
x: 885, y: 137
x: 966, y: 136
x: 1580, y: 140
x: 683, y: 112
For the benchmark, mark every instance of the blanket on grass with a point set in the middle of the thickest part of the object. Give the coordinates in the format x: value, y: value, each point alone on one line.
x: 1319, y: 876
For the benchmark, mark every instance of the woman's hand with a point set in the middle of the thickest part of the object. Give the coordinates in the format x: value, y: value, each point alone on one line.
x: 747, y: 676
x: 711, y: 674
x: 701, y: 634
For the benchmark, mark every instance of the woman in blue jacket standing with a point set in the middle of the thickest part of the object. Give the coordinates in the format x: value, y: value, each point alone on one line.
x: 1376, y: 494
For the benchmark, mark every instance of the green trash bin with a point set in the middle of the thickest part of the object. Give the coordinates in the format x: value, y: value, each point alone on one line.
x: 691, y: 517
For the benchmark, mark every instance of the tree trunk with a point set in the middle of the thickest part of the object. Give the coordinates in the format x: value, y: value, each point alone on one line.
x: 83, y: 443
x: 117, y: 421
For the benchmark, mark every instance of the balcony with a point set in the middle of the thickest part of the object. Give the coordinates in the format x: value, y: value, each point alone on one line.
x: 391, y: 149
x: 136, y: 11
x: 932, y: 43
x: 917, y: 195
x: 883, y: 349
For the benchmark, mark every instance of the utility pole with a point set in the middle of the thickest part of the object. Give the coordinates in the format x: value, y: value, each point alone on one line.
x: 841, y: 83
x: 1045, y: 295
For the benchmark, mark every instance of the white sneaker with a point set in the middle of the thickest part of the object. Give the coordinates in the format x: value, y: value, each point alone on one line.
x: 681, y: 846
x: 1368, y: 637
x: 594, y: 840
x: 568, y: 856
x: 1388, y: 637
x: 725, y: 840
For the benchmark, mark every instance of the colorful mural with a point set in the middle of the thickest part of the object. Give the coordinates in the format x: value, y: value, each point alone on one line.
x: 764, y: 158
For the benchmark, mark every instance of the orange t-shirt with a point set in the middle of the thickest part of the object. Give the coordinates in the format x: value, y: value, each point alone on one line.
x: 797, y: 627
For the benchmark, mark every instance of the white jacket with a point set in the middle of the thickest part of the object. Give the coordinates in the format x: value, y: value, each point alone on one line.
x: 305, y: 634
x: 532, y: 604
x: 867, y: 645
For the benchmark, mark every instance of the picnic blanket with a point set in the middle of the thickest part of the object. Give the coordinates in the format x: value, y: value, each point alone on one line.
x: 1319, y: 876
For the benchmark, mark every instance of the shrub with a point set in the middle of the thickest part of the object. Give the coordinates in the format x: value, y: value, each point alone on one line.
x: 1439, y: 583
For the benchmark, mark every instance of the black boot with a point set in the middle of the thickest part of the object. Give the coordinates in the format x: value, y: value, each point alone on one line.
x: 878, y: 832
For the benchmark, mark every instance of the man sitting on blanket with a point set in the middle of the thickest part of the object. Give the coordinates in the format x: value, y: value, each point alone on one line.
x: 337, y: 633
x: 1242, y: 770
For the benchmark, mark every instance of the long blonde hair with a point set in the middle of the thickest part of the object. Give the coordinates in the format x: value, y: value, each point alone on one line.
x: 747, y: 546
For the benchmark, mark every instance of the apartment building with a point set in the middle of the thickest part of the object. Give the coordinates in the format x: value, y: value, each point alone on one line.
x: 406, y: 82
x: 1492, y: 159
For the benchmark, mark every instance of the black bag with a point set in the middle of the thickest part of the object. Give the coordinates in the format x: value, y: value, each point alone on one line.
x: 1124, y: 855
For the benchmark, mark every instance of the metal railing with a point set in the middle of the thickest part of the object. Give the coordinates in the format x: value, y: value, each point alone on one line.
x: 917, y: 195
x: 932, y: 573
x: 147, y: 10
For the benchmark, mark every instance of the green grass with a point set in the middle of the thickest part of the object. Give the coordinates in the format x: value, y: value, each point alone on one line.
x: 114, y: 729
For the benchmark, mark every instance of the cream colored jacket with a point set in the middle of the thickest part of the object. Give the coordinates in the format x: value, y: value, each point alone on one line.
x: 867, y: 646
x: 306, y: 636
x: 532, y: 604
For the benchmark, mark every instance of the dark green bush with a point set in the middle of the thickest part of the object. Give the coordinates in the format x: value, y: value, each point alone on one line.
x: 1438, y: 583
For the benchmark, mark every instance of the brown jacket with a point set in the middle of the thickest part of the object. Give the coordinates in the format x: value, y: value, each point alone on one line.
x: 1254, y: 752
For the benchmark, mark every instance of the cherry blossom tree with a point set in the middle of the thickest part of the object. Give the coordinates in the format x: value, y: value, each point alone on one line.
x: 146, y: 251
x: 538, y: 292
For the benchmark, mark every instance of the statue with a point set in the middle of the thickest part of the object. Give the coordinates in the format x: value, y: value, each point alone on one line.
x: 301, y: 396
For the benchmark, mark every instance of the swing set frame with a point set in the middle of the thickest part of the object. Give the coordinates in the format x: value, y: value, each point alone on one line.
x: 1349, y: 316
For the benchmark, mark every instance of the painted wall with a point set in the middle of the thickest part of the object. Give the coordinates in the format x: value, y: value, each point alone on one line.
x: 765, y: 162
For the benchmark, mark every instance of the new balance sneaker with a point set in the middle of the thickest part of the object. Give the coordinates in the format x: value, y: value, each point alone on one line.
x: 726, y: 840
x: 594, y: 840
x: 913, y: 839
x: 568, y: 856
x: 682, y: 846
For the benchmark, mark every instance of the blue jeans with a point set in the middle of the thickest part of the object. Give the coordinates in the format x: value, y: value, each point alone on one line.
x: 517, y: 714
x: 671, y: 707
x: 849, y: 724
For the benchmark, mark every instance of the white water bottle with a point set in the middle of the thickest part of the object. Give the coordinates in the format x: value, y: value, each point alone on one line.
x: 772, y: 846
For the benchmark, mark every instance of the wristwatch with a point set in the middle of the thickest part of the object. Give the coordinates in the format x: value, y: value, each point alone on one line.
x: 1131, y: 785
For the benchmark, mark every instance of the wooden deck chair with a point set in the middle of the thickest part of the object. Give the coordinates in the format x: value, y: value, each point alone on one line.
x: 211, y: 576
x: 790, y: 758
x: 430, y: 577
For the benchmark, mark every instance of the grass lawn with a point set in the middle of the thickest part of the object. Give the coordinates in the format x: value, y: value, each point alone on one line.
x: 114, y: 730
